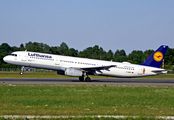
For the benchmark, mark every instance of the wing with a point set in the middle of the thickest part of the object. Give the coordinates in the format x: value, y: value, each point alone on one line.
x: 98, y: 68
x: 94, y: 69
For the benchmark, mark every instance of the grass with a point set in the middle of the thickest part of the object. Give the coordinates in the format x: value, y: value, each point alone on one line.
x: 92, y: 118
x: 86, y: 100
x: 4, y: 74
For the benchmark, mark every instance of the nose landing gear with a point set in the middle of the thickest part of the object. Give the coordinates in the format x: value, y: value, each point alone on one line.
x: 22, y: 70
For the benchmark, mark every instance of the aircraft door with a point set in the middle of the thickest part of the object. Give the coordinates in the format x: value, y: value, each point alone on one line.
x: 57, y: 61
x: 24, y: 56
x: 141, y: 70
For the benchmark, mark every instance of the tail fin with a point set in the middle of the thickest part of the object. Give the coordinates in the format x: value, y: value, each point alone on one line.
x: 156, y: 59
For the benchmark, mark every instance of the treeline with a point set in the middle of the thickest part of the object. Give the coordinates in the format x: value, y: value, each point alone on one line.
x: 96, y: 52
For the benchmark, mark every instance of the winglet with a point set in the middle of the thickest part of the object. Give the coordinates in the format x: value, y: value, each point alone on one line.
x: 156, y: 59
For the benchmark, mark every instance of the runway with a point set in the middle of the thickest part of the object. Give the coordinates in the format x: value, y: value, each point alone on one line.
x: 113, y: 82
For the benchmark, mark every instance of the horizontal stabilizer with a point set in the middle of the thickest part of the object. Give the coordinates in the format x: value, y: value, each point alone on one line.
x: 160, y: 71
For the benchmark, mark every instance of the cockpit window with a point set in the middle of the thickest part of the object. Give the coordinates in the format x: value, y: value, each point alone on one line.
x: 14, y: 55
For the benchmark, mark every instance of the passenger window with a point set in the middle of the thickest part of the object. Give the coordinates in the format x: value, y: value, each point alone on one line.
x: 14, y: 55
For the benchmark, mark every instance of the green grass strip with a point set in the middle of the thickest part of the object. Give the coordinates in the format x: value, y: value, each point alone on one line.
x: 86, y: 100
x: 90, y: 118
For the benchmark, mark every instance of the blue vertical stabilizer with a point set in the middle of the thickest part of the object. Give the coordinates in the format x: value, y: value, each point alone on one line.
x: 156, y: 59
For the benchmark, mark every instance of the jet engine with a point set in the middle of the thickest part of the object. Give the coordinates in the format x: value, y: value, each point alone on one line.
x: 73, y: 72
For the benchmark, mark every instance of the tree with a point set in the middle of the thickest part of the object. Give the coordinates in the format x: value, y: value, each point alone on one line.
x: 5, y: 48
x: 46, y: 48
x: 63, y: 49
x: 87, y: 53
x: 22, y: 47
x: 38, y: 47
x: 73, y: 52
x: 169, y: 57
x: 102, y: 54
x: 148, y: 53
x: 122, y: 53
x: 14, y: 48
x: 53, y: 50
x: 136, y: 56
x: 29, y: 46
x: 95, y: 52
x: 120, y: 56
x: 109, y: 55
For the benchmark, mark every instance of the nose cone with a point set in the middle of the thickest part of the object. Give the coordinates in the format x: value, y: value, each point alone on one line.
x: 6, y: 59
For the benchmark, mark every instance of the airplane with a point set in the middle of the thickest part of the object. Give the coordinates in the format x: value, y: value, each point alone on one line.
x: 83, y: 67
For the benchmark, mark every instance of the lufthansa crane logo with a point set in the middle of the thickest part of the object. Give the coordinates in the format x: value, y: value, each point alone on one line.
x: 158, y: 56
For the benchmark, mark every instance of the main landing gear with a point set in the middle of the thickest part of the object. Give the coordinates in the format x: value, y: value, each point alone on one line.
x: 81, y: 78
x: 22, y: 70
x: 87, y: 79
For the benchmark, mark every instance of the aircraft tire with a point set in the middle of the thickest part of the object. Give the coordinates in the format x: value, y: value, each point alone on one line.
x: 88, y: 79
x: 81, y: 78
x: 21, y: 73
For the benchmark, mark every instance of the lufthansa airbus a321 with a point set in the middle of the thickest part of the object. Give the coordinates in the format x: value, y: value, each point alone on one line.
x: 83, y: 67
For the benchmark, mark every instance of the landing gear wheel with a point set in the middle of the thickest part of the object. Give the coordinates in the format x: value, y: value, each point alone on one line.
x: 22, y: 70
x: 81, y: 78
x: 88, y: 79
x: 21, y: 73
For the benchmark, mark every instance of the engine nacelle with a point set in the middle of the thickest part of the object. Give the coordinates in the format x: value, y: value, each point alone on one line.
x: 73, y: 72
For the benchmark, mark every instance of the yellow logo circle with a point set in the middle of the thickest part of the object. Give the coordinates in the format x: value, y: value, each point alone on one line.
x: 158, y: 56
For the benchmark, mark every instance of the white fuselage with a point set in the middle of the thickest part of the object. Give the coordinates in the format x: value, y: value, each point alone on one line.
x: 59, y: 62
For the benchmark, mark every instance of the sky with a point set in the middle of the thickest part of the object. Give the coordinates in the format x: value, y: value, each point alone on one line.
x: 110, y: 24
